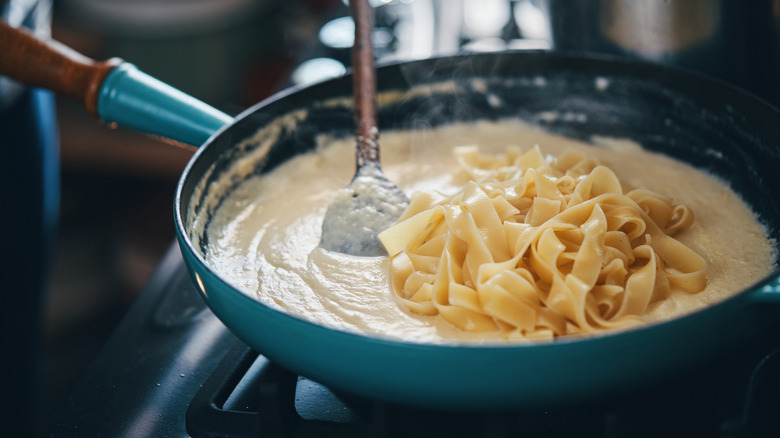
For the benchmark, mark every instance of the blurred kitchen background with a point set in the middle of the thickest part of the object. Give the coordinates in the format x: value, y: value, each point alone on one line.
x: 117, y: 186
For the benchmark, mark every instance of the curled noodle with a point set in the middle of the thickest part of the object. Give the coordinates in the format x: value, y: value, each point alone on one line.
x: 537, y: 248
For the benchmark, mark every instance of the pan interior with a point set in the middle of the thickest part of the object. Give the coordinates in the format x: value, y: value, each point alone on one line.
x: 724, y: 137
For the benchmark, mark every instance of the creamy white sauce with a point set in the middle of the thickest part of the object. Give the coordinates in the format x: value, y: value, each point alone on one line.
x: 264, y: 238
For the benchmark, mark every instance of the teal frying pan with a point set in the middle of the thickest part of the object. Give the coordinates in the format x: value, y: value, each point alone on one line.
x: 695, y: 119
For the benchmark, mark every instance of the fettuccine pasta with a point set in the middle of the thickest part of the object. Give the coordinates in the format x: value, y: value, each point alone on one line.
x: 539, y: 247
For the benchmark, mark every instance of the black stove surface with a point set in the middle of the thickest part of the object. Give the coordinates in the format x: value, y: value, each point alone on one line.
x: 172, y: 369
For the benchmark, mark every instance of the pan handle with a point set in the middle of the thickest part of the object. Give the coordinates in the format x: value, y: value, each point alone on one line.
x: 131, y: 98
x: 113, y: 90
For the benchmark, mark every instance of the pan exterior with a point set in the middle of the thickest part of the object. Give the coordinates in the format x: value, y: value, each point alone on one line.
x: 706, y: 123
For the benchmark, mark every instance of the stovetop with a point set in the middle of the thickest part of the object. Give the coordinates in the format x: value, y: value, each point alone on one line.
x: 173, y: 369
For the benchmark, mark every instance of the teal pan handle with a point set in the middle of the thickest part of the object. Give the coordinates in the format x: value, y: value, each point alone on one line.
x: 133, y: 99
x: 113, y: 90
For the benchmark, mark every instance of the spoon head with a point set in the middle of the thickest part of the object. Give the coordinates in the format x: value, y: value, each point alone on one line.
x: 369, y: 205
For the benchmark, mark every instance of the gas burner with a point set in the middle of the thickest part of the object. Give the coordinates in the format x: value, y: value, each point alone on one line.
x: 247, y: 395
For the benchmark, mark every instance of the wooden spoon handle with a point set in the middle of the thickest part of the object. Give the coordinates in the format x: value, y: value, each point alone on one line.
x: 364, y: 85
x: 51, y: 65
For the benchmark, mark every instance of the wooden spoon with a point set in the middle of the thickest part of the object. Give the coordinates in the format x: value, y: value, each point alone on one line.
x: 371, y: 203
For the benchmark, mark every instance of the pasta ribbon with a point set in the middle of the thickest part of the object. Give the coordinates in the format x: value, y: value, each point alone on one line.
x: 536, y: 247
